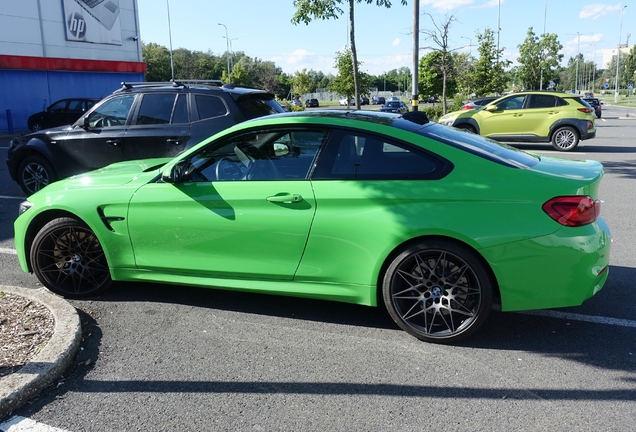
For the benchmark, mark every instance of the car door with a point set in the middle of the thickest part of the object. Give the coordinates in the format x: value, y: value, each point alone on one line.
x: 507, y: 119
x: 98, y: 142
x: 56, y: 114
x: 542, y: 112
x: 243, y: 208
x: 160, y: 128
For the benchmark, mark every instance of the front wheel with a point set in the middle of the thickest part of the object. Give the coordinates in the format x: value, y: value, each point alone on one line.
x: 565, y: 139
x: 438, y: 291
x: 67, y: 257
x: 34, y: 172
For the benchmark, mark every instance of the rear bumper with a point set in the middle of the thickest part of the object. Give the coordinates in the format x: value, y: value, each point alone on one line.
x: 558, y: 270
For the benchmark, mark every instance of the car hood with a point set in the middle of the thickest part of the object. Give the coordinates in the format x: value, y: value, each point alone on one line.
x: 115, y: 174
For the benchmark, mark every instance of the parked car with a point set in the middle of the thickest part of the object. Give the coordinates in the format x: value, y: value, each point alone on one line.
x: 378, y: 100
x: 312, y: 103
x: 285, y: 204
x: 394, y: 107
x: 596, y: 104
x: 345, y: 102
x: 140, y: 120
x: 479, y: 102
x: 562, y: 119
x: 60, y: 113
x: 364, y: 100
x: 393, y: 99
x: 297, y: 102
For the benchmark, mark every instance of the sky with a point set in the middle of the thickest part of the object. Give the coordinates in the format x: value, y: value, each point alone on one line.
x: 384, y: 37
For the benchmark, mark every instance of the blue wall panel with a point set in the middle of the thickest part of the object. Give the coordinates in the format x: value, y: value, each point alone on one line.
x: 27, y: 92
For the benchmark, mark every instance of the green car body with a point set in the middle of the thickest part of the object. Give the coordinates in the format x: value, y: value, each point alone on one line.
x: 334, y: 239
x: 541, y: 116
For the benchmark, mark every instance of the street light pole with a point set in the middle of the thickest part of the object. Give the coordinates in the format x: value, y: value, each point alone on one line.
x: 618, y: 57
x: 227, y: 43
x: 545, y: 15
x: 470, y: 41
x: 170, y: 38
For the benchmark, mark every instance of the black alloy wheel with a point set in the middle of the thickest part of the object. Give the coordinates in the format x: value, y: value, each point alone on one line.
x: 438, y: 291
x: 67, y: 257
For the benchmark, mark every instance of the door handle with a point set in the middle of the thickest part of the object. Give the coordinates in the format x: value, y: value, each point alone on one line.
x: 285, y: 198
x: 517, y: 115
x: 113, y: 142
x: 174, y: 141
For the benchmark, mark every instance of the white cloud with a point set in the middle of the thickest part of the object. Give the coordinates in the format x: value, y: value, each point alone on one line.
x: 303, y: 59
x: 396, y: 42
x: 598, y: 10
x: 587, y: 42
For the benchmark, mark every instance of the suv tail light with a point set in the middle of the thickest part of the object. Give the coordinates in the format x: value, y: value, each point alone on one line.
x: 573, y: 211
x: 586, y: 110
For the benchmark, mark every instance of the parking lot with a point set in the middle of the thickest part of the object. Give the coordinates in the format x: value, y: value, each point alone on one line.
x: 158, y: 357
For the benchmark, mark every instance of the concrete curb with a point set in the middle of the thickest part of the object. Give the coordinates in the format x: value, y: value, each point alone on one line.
x: 18, y: 388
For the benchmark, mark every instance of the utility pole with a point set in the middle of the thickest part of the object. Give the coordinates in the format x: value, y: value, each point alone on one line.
x: 227, y: 44
x: 416, y: 51
x: 618, y: 57
x: 170, y: 38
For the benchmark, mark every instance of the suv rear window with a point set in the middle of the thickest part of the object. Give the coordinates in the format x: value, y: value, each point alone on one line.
x: 258, y: 105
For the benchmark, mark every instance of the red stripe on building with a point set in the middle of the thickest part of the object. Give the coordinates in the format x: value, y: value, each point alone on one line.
x: 66, y: 64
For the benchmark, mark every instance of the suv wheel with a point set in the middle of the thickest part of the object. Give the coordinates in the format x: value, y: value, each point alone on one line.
x: 34, y: 173
x: 565, y: 139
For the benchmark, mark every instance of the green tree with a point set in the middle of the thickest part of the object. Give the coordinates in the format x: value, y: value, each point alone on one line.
x: 439, y: 35
x: 157, y: 59
x: 344, y: 83
x: 488, y: 74
x: 306, y: 10
x: 538, y: 59
x: 302, y: 83
x: 628, y: 67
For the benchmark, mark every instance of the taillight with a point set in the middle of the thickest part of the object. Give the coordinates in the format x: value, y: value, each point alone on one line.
x: 573, y: 211
x: 586, y: 110
x: 467, y: 107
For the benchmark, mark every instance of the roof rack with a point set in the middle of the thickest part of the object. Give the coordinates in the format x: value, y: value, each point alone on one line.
x: 173, y: 83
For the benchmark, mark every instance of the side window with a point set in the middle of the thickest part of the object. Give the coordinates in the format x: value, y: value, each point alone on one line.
x: 366, y: 157
x: 210, y: 106
x: 58, y: 106
x: 258, y: 155
x: 113, y: 112
x: 156, y: 109
x: 75, y: 105
x: 89, y: 105
x: 515, y: 102
x: 542, y: 101
x: 180, y: 114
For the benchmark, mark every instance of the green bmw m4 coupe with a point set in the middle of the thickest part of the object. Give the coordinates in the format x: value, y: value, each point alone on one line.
x: 370, y: 208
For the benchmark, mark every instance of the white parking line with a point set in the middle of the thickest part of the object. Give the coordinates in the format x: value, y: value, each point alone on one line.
x: 11, y: 197
x: 23, y: 424
x: 585, y: 318
x: 8, y: 251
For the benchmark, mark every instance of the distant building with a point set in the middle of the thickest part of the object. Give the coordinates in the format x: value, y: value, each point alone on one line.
x: 611, y: 52
x: 51, y: 50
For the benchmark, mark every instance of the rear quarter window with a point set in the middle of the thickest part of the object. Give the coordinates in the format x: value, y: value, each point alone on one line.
x: 258, y: 105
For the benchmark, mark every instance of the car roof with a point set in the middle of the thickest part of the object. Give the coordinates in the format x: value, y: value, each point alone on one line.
x: 187, y: 86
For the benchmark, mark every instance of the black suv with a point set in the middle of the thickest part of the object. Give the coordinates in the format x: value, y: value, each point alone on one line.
x: 60, y: 113
x: 138, y: 121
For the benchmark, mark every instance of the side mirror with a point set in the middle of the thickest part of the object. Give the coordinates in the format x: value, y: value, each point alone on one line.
x: 491, y: 108
x: 176, y: 173
x: 85, y: 123
x: 280, y: 149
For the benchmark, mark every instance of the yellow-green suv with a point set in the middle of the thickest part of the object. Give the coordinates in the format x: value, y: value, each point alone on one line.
x: 534, y: 116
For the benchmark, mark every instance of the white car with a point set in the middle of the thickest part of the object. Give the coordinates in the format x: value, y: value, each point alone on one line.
x: 344, y: 102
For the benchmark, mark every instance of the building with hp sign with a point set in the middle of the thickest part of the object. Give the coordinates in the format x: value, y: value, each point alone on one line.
x: 56, y: 49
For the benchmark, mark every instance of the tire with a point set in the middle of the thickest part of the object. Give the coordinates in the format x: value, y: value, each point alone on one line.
x: 36, y: 127
x: 34, y: 172
x: 565, y: 139
x: 468, y: 128
x: 438, y: 291
x: 69, y: 260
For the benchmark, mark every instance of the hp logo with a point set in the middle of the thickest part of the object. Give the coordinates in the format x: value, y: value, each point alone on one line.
x: 76, y: 25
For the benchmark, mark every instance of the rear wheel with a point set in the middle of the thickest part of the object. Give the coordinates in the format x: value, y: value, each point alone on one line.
x: 69, y: 260
x: 36, y: 127
x: 34, y: 172
x: 565, y: 139
x: 438, y: 291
